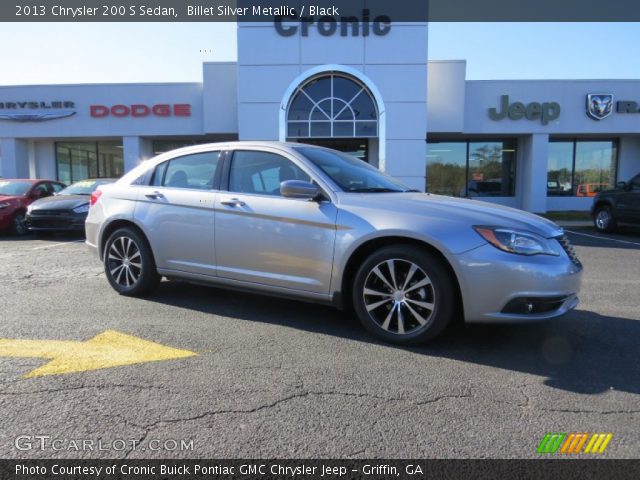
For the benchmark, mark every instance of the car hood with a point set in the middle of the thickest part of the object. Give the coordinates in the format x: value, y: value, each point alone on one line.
x: 451, y: 209
x: 60, y: 202
x: 6, y: 198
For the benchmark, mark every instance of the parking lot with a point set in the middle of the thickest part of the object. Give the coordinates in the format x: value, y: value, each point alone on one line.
x: 277, y: 378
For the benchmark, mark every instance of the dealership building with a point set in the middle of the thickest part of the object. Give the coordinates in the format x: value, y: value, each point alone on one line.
x: 365, y: 89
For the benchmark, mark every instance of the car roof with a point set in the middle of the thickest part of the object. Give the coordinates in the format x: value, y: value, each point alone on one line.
x: 239, y: 144
x: 29, y: 180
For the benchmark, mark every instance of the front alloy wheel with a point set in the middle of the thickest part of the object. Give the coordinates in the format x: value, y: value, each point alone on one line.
x: 129, y: 264
x: 403, y: 295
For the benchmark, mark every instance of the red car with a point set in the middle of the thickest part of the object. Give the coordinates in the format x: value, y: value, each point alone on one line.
x: 15, y: 197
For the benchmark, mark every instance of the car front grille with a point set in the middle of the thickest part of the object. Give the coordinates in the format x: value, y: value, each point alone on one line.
x: 49, y: 213
x: 567, y: 247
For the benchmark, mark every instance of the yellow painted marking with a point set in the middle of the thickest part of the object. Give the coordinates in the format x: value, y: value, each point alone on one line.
x: 594, y: 437
x: 596, y: 445
x: 106, y: 350
x: 606, y: 441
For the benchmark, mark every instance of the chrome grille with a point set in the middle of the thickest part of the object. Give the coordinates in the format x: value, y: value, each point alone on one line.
x: 567, y: 247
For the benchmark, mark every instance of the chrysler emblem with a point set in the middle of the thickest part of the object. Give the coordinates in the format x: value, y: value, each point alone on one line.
x: 599, y: 105
x: 36, y: 117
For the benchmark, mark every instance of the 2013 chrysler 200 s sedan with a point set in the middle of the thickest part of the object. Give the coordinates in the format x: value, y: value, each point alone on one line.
x: 316, y: 224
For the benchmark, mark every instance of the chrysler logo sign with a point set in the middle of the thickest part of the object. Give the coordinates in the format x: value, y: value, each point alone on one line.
x: 36, y: 111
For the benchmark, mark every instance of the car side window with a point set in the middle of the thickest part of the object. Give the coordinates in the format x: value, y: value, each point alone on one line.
x: 42, y: 188
x: 635, y: 183
x: 196, y: 171
x: 261, y: 172
x: 57, y: 187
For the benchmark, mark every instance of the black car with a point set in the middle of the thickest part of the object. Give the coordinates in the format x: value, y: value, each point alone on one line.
x: 620, y: 205
x: 65, y: 211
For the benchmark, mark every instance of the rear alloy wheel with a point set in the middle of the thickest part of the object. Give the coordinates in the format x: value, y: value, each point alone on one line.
x: 129, y: 264
x: 403, y: 295
x: 19, y: 224
x: 603, y: 220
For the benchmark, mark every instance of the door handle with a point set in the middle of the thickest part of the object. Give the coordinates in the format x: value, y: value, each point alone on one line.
x: 233, y: 202
x: 154, y: 195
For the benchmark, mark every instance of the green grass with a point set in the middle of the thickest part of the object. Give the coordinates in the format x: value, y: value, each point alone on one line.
x: 569, y: 215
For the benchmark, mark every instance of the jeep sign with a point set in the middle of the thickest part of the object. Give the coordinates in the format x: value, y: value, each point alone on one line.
x: 545, y: 112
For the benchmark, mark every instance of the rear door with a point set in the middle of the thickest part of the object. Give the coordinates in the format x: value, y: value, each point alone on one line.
x: 177, y: 212
x: 265, y: 238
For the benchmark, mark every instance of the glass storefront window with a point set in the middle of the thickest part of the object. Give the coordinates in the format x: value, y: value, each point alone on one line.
x: 595, y: 167
x: 560, y: 168
x: 447, y: 168
x: 581, y: 168
x: 472, y: 169
x: 81, y: 160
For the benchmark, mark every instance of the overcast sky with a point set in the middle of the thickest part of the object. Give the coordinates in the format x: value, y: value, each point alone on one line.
x: 173, y: 52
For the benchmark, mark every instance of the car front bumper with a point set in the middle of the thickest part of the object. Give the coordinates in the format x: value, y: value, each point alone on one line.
x: 492, y: 282
x: 63, y: 222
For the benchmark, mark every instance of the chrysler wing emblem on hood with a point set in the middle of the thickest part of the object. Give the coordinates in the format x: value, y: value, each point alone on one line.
x: 36, y: 117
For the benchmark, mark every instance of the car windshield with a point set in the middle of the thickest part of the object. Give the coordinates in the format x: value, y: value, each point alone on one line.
x: 14, y: 188
x: 350, y: 173
x: 83, y: 187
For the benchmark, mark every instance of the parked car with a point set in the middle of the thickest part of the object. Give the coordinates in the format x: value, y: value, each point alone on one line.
x: 611, y: 208
x: 315, y: 224
x: 65, y: 211
x: 590, y: 189
x: 16, y: 195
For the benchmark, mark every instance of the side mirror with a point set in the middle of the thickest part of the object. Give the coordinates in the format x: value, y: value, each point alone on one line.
x: 299, y: 189
x: 622, y: 185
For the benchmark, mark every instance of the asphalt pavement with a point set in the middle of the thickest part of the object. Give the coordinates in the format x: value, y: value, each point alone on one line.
x: 274, y: 378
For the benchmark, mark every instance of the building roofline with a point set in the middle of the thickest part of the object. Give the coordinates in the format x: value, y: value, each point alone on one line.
x: 579, y: 80
x: 147, y: 84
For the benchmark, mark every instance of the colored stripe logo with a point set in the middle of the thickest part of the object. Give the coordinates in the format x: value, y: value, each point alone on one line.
x: 571, y: 443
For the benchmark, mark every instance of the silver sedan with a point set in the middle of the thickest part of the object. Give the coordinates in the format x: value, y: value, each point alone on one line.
x: 315, y: 224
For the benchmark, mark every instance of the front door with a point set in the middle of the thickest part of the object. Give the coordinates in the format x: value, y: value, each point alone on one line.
x: 265, y: 238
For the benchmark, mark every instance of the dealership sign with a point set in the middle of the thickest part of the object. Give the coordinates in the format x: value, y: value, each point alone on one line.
x: 328, y: 23
x: 36, y: 111
x: 141, y: 110
x: 543, y: 111
x: 600, y: 105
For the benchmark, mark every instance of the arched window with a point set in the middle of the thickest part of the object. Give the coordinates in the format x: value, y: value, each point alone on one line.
x: 332, y: 105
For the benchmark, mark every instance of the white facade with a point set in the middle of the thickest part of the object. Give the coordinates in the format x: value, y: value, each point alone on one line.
x: 415, y: 99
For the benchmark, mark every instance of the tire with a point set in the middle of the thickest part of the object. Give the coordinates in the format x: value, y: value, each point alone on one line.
x: 18, y: 224
x: 129, y: 264
x: 410, y: 307
x: 604, y: 220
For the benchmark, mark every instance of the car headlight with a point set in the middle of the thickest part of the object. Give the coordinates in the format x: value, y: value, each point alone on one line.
x: 4, y: 205
x: 515, y: 241
x: 82, y: 208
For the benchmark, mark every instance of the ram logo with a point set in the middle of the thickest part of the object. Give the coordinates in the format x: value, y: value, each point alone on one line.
x: 599, y: 105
